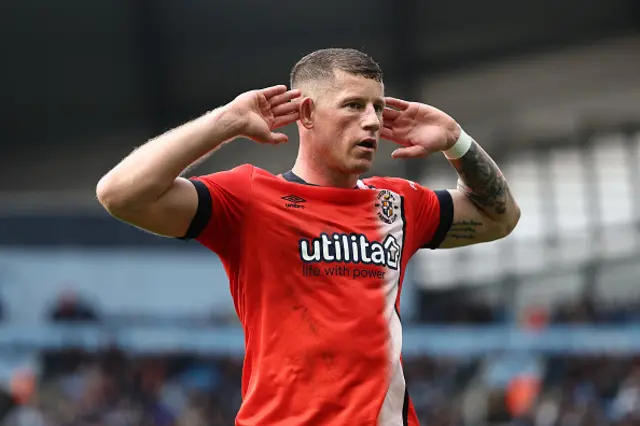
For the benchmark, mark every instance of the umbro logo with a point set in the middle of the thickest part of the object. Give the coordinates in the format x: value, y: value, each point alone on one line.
x: 294, y: 202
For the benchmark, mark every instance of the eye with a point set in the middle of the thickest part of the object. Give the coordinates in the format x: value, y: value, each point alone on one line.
x: 379, y: 108
x: 354, y: 105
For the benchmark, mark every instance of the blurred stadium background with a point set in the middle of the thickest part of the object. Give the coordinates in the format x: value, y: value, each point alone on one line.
x: 117, y: 327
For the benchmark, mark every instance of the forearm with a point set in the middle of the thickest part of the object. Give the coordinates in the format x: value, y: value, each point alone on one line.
x: 482, y: 182
x: 149, y: 171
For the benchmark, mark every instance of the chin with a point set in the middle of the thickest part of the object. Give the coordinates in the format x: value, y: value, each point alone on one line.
x: 360, y: 166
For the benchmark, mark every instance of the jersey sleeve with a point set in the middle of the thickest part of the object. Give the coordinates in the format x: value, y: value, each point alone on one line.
x: 223, y: 199
x: 434, y: 217
x: 431, y: 214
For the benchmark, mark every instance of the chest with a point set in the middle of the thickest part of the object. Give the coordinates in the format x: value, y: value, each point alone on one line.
x: 368, y: 227
x: 358, y: 211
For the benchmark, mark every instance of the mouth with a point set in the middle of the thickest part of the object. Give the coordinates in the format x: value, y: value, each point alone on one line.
x: 369, y: 143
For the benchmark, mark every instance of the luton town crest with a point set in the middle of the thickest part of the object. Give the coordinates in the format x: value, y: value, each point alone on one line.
x: 387, y: 205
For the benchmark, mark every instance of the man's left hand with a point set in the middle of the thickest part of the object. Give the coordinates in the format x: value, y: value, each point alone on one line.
x: 420, y: 129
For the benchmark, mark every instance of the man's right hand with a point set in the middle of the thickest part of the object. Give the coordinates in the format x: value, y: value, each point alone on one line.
x: 259, y: 112
x: 145, y: 189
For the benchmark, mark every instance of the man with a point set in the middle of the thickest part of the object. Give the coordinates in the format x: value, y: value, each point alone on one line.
x: 15, y: 396
x: 316, y: 256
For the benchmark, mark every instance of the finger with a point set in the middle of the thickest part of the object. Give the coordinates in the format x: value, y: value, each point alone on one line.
x: 390, y: 114
x: 398, y: 104
x: 286, y: 108
x: 415, y: 151
x: 388, y: 134
x: 272, y: 91
x: 388, y: 123
x: 277, y: 138
x: 285, y: 120
x: 284, y: 97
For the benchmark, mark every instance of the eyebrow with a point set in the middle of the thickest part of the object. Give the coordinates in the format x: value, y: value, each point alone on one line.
x: 379, y: 101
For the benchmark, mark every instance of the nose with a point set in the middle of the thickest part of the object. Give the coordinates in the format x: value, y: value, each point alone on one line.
x: 371, y: 119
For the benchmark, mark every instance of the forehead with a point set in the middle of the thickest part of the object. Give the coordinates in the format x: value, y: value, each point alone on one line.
x: 346, y: 85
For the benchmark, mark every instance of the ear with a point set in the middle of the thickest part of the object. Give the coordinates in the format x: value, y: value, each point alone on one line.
x: 307, y: 109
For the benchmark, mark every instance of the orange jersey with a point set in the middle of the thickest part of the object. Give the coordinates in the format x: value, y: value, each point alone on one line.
x: 315, y: 274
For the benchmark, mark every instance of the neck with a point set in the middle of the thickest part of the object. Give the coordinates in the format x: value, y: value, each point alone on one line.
x: 317, y: 173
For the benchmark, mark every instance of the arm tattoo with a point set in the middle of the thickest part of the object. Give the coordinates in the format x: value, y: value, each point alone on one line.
x: 464, y: 230
x: 481, y: 180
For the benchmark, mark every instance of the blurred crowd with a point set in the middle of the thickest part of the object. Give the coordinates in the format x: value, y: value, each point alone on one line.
x: 577, y: 391
x: 572, y: 391
x: 113, y: 389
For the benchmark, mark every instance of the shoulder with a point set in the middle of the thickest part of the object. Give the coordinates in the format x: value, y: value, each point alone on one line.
x: 251, y: 171
x: 242, y: 169
x: 398, y: 185
x: 236, y: 175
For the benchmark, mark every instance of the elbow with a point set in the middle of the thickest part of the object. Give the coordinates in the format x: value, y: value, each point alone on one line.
x: 110, y: 196
x: 511, y: 221
x: 504, y: 225
x: 105, y: 193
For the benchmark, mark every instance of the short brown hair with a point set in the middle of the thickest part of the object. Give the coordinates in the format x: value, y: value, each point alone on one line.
x: 322, y: 63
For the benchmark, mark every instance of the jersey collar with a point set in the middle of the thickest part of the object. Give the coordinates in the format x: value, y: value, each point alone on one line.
x: 289, y: 176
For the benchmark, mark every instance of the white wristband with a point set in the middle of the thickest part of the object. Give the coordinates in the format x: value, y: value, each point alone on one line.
x: 461, y: 146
